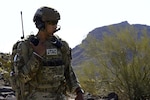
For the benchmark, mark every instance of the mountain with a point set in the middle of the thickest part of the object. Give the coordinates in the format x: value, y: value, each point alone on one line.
x: 78, y: 53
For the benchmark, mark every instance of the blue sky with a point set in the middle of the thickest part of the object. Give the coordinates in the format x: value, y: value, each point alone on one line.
x: 78, y: 17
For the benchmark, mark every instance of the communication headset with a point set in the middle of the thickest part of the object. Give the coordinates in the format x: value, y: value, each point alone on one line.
x: 39, y: 23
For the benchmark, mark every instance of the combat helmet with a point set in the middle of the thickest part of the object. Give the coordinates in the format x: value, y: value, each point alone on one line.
x: 44, y: 14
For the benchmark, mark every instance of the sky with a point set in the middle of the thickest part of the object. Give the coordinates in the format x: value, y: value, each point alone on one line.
x: 78, y: 17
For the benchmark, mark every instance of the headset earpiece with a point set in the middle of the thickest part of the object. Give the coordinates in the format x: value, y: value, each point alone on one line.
x: 39, y: 23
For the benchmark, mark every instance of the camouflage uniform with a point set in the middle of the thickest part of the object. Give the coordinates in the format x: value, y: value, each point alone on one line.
x: 45, y: 78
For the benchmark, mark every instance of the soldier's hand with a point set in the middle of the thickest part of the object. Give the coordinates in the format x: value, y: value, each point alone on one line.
x: 40, y: 48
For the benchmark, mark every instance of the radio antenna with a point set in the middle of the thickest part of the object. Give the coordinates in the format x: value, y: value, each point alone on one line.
x: 22, y: 37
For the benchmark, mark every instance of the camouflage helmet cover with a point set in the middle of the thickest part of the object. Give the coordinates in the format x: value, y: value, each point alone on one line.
x: 46, y: 14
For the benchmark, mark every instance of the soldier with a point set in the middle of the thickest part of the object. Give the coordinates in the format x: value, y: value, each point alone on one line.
x: 42, y: 63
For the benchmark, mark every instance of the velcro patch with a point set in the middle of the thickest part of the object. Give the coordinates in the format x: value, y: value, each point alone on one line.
x: 51, y: 51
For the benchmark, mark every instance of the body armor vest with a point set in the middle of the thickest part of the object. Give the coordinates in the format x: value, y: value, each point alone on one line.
x: 51, y: 73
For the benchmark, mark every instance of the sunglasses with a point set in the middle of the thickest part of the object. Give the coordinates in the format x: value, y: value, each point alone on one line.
x: 53, y: 22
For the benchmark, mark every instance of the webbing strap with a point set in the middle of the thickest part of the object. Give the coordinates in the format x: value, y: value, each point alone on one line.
x: 57, y: 62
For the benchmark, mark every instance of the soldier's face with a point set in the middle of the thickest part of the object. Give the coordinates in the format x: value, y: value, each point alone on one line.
x: 50, y: 28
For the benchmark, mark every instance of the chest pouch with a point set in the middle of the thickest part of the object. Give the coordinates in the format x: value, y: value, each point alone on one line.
x: 51, y: 74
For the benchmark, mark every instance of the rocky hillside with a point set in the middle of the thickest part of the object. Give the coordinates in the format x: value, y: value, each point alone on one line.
x: 78, y: 53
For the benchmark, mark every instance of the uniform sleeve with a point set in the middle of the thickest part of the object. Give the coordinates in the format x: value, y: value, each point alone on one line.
x: 71, y: 79
x: 27, y: 62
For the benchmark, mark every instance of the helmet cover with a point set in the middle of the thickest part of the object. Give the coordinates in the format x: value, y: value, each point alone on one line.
x: 44, y: 14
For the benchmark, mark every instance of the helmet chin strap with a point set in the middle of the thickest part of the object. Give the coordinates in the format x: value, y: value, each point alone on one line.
x: 58, y: 28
